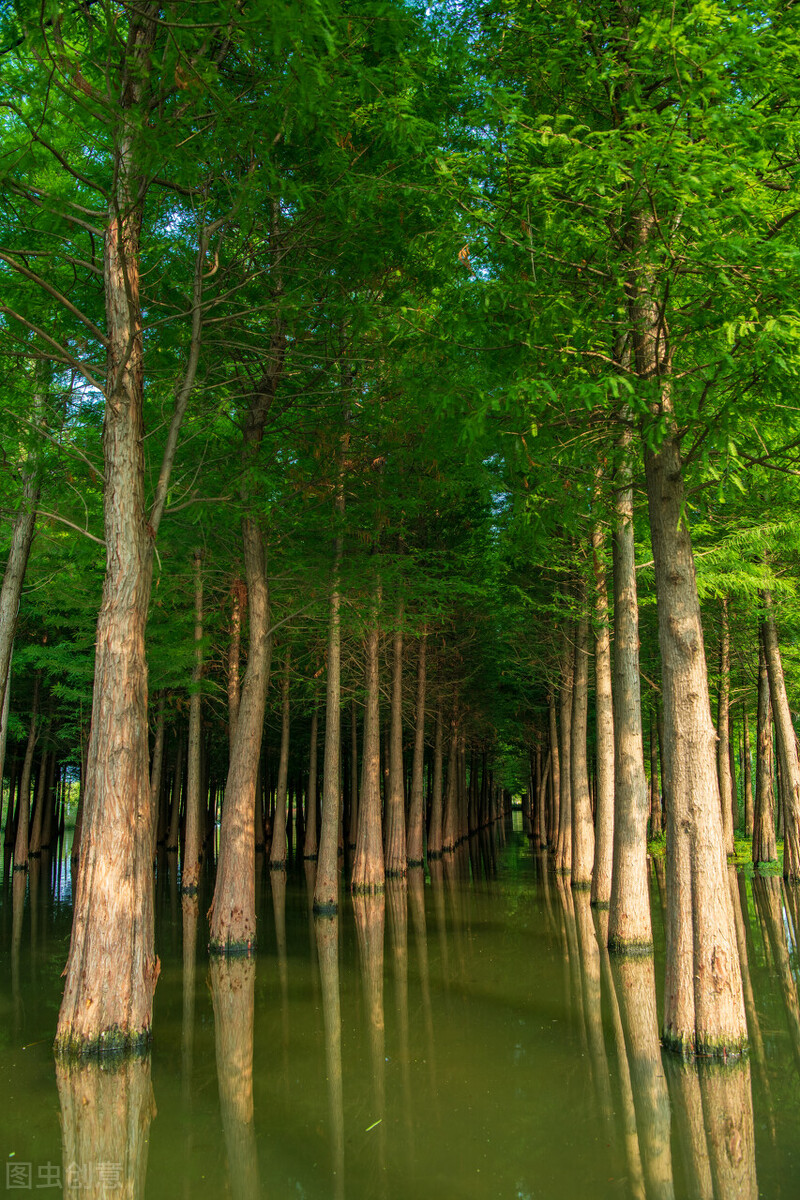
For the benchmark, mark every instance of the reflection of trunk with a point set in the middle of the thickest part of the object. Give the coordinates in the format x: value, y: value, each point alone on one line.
x: 232, y: 984
x: 326, y: 928
x: 310, y: 839
x: 190, y: 873
x: 369, y: 918
x: 629, y: 927
x: 687, y: 1104
x: 24, y: 800
x: 728, y: 1111
x: 277, y: 881
x: 416, y: 896
x: 635, y: 988
x: 105, y: 1122
x: 604, y: 818
x: 277, y: 850
x: 397, y: 896
x: 769, y: 901
x: 564, y: 847
x: 723, y: 728
x: 190, y: 906
x: 787, y: 744
x: 435, y: 829
x: 368, y: 873
x: 582, y: 828
x: 704, y: 1008
x: 590, y: 979
x: 395, y: 816
x: 415, y: 848
x: 764, y: 844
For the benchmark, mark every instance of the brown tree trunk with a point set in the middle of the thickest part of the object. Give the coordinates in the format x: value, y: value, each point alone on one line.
x: 24, y: 797
x: 435, y: 826
x: 239, y: 598
x: 604, y: 715
x: 704, y: 1006
x: 723, y: 728
x: 190, y: 873
x: 656, y: 825
x: 177, y: 788
x: 277, y: 850
x: 629, y: 928
x: 764, y: 844
x: 352, y: 832
x: 747, y: 771
x: 582, y: 828
x: 555, y: 776
x: 395, y: 847
x: 156, y: 770
x: 450, y: 814
x: 310, y: 840
x: 415, y: 848
x: 564, y: 847
x: 368, y: 871
x: 787, y: 743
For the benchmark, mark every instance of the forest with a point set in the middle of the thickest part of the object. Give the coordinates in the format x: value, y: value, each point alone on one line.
x: 400, y: 428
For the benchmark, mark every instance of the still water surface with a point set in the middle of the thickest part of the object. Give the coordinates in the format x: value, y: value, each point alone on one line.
x: 466, y: 1036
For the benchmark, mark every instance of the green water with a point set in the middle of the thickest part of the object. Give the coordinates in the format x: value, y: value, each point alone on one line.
x: 466, y: 1037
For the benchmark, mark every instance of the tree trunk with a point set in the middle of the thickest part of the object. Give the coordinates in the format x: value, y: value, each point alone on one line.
x: 177, y: 788
x: 156, y: 769
x: 450, y: 815
x: 190, y: 873
x: 555, y: 775
x: 233, y: 996
x: 723, y: 728
x: 787, y: 743
x: 310, y: 840
x: 564, y: 847
x: 747, y: 771
x: 352, y: 831
x: 704, y: 1006
x: 604, y: 715
x: 239, y: 598
x: 656, y: 825
x: 24, y: 798
x: 368, y: 871
x: 435, y: 826
x: 629, y: 928
x: 415, y: 848
x: 277, y: 850
x: 582, y: 829
x: 37, y: 825
x: 764, y: 845
x: 395, y: 849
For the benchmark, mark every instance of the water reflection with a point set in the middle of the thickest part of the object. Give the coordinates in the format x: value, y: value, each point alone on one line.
x: 105, y: 1121
x: 326, y: 929
x: 232, y: 983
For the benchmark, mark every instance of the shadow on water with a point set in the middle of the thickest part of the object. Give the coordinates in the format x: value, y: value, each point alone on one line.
x: 464, y: 1034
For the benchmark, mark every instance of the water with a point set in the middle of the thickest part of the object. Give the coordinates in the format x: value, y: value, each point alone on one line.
x: 465, y: 1037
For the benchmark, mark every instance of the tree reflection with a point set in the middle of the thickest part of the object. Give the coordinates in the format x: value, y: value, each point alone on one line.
x: 232, y: 982
x: 327, y: 936
x: 106, y: 1112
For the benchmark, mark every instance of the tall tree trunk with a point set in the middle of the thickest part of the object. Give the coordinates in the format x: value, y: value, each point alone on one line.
x: 156, y: 770
x: 747, y: 771
x: 656, y: 825
x: 787, y: 743
x: 24, y: 798
x: 629, y: 928
x: 37, y: 825
x: 368, y: 871
x: 764, y: 845
x: 723, y: 727
x: 582, y: 829
x: 415, y: 849
x: 395, y: 849
x: 450, y: 815
x: 352, y: 832
x: 190, y: 874
x: 604, y: 714
x: 435, y: 827
x: 177, y: 788
x: 564, y: 847
x: 310, y: 840
x: 555, y: 775
x: 704, y: 1005
x: 239, y: 599
x: 277, y: 850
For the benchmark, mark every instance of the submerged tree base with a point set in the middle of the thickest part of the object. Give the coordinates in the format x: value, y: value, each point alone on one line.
x: 719, y: 1050
x: 325, y: 908
x: 602, y: 905
x: 110, y: 1045
x: 243, y: 949
x: 190, y: 890
x: 416, y: 862
x: 623, y: 949
x: 368, y: 889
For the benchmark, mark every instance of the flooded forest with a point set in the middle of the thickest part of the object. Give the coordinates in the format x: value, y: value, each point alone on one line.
x: 399, y: 619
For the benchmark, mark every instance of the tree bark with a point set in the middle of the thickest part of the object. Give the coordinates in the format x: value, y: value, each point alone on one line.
x: 764, y: 844
x: 723, y: 728
x: 24, y: 796
x: 395, y: 848
x: 435, y: 826
x: 239, y: 599
x: 352, y: 831
x: 582, y: 828
x: 310, y: 839
x: 156, y: 770
x: 415, y: 848
x: 450, y: 815
x: 193, y: 843
x: 555, y: 776
x: 747, y: 771
x: 629, y: 928
x: 787, y: 743
x: 277, y: 850
x: 564, y: 847
x: 177, y: 789
x: 604, y: 715
x: 368, y: 870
